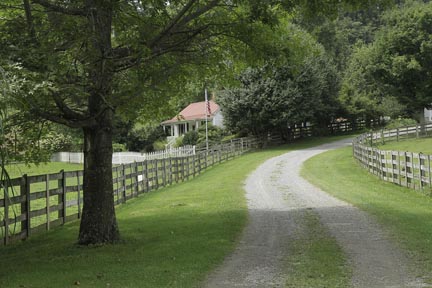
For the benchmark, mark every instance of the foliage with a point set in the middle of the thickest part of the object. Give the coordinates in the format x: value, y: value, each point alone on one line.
x: 86, y: 61
x: 198, y: 137
x: 214, y: 134
x: 342, y: 34
x: 272, y: 99
x: 360, y: 94
x: 141, y: 138
x: 230, y: 137
x: 22, y: 139
x: 119, y: 147
x: 178, y: 142
x: 190, y: 138
x: 159, y: 145
x: 396, y: 64
x: 400, y: 122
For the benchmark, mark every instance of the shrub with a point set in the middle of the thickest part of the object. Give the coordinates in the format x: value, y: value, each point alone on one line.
x: 190, y: 138
x: 400, y: 122
x: 119, y: 147
x: 179, y: 142
x: 159, y: 145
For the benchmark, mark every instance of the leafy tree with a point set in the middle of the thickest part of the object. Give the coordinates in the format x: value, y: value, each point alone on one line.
x: 360, y: 95
x: 141, y: 138
x: 214, y: 135
x: 86, y: 60
x: 342, y: 34
x: 273, y: 99
x: 403, y: 61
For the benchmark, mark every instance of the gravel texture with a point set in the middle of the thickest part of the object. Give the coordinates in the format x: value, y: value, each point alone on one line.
x: 277, y: 198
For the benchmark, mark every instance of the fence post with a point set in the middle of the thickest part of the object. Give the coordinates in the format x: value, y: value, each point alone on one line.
x: 429, y: 171
x: 123, y: 181
x: 136, y: 188
x: 182, y: 169
x: 417, y: 131
x: 146, y: 176
x: 6, y: 216
x: 62, y: 197
x: 193, y: 165
x: 170, y: 170
x: 79, y: 195
x: 397, y: 134
x: 25, y: 206
x: 156, y: 173
x: 399, y: 169
x: 406, y: 169
x: 421, y: 167
x: 164, y: 172
x: 47, y: 195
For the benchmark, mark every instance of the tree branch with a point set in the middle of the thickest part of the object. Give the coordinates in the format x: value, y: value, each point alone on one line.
x: 29, y: 18
x: 181, y: 20
x: 61, y: 9
x: 173, y: 22
x: 72, y: 123
x: 66, y: 111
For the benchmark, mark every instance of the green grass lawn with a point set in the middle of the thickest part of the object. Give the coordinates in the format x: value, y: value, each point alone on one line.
x: 171, y: 237
x: 17, y: 170
x: 406, y: 213
x: 423, y: 145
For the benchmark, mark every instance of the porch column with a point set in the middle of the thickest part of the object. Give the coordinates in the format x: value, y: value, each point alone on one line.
x: 176, y: 130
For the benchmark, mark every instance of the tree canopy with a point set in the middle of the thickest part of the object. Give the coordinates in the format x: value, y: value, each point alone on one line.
x: 274, y: 99
x: 82, y: 63
x: 395, y: 68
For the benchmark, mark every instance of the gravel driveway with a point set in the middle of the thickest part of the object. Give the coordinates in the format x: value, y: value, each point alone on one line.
x: 277, y: 198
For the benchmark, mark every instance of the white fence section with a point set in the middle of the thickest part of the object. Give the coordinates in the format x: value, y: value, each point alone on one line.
x: 127, y: 157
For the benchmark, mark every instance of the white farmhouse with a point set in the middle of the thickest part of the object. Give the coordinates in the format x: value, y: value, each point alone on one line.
x: 192, y: 117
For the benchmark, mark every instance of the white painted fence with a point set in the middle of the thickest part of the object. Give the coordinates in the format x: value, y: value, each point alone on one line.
x: 127, y: 157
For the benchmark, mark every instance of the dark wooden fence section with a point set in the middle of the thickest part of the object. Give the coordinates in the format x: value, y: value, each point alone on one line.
x: 31, y: 204
x: 412, y: 170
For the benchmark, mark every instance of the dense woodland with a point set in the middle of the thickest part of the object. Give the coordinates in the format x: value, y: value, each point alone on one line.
x: 100, y: 75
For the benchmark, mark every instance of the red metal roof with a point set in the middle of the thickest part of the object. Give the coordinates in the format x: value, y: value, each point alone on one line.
x: 194, y: 111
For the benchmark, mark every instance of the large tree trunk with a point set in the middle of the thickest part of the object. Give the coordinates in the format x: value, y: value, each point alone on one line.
x: 98, y: 223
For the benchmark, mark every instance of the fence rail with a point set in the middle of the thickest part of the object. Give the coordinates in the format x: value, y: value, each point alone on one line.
x: 412, y: 170
x: 127, y: 157
x: 31, y: 204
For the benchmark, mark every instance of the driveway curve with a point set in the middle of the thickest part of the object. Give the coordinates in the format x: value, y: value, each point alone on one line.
x: 277, y: 198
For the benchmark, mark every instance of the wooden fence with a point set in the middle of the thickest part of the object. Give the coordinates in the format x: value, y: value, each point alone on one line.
x: 31, y: 204
x: 412, y: 170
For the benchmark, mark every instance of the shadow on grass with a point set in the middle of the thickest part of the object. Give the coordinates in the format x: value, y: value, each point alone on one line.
x: 171, y: 242
x: 173, y: 249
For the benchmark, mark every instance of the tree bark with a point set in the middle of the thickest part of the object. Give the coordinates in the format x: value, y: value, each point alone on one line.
x: 98, y: 223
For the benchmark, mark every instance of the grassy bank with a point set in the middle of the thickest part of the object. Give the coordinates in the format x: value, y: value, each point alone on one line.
x: 171, y: 237
x: 405, y: 212
x: 423, y: 145
x: 17, y: 170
